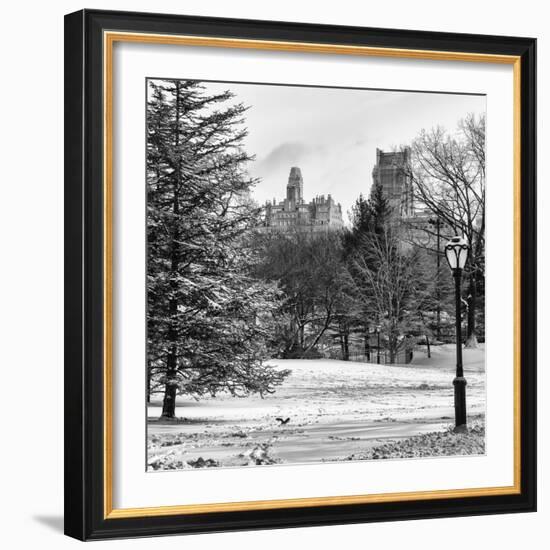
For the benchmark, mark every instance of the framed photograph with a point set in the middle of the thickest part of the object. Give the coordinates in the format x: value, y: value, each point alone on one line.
x: 300, y: 274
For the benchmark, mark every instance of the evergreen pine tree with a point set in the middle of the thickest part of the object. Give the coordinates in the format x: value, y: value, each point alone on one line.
x: 207, y: 315
x: 380, y: 211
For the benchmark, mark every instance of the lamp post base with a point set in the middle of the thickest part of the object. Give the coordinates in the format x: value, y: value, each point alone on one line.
x: 459, y: 384
x: 463, y: 429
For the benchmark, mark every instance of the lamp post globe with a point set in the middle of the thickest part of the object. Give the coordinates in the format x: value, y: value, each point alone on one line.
x: 456, y: 252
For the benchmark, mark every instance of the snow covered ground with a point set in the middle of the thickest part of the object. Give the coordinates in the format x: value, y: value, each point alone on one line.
x: 336, y: 409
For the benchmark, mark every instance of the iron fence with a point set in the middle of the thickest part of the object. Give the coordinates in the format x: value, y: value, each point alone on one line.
x: 374, y: 356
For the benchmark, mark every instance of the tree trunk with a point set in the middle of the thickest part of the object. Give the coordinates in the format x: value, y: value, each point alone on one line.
x: 319, y: 334
x: 471, y: 338
x: 171, y: 386
x: 346, y: 347
x: 392, y: 345
x: 169, y: 402
x: 148, y: 384
x: 367, y: 344
x: 428, y: 346
x: 170, y: 390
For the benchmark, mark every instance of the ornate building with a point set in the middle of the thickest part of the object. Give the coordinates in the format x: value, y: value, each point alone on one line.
x: 390, y: 171
x: 319, y: 214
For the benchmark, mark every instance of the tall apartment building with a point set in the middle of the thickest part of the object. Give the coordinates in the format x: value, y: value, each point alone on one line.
x: 390, y: 171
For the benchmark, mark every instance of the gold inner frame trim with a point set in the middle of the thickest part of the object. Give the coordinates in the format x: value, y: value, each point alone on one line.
x: 109, y: 39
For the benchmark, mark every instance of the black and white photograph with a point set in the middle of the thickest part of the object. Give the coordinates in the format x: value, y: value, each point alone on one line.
x: 315, y: 274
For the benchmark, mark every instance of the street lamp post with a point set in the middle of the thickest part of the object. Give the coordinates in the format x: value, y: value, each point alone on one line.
x: 456, y: 252
x: 378, y: 345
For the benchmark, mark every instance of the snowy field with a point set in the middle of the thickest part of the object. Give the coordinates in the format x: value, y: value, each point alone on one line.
x: 336, y: 409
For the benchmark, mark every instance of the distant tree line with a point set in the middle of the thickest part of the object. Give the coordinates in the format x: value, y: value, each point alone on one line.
x: 344, y: 284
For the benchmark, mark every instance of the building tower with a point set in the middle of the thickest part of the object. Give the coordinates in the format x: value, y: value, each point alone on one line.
x: 319, y: 214
x: 295, y: 186
x: 391, y: 172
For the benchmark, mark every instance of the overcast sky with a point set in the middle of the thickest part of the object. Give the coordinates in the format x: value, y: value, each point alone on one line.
x: 332, y: 134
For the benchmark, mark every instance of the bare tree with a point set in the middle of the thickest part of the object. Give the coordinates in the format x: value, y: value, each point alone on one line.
x: 448, y: 177
x: 388, y: 281
x: 308, y: 269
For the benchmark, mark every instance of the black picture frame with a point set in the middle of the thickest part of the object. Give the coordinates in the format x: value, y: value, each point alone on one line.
x: 84, y: 275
